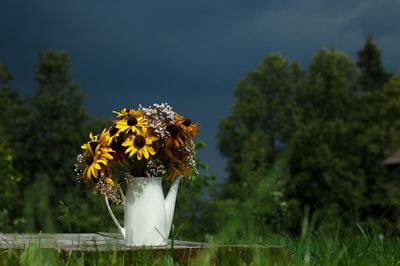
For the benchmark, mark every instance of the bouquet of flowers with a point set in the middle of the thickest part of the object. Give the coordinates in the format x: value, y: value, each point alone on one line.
x: 143, y: 142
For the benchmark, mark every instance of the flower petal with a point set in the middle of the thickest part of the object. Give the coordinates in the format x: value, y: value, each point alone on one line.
x: 134, y: 150
x: 139, y: 154
x: 145, y: 153
x: 151, y: 150
x: 94, y: 171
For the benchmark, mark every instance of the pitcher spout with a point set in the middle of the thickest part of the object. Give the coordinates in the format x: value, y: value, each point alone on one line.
x: 170, y: 203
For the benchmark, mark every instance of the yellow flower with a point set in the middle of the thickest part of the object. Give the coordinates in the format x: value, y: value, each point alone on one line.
x: 109, y: 181
x: 177, y: 168
x: 190, y: 129
x: 126, y: 112
x: 113, y: 134
x: 132, y: 123
x: 140, y: 145
x: 98, y: 145
x: 103, y: 138
x: 176, y: 138
x: 93, y: 163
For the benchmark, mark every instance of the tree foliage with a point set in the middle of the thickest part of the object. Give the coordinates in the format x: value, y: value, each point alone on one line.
x: 373, y: 75
x: 263, y: 116
x: 261, y: 122
x: 10, y: 177
x: 44, y: 133
x: 340, y: 119
x: 323, y: 170
x: 9, y: 191
x: 379, y: 108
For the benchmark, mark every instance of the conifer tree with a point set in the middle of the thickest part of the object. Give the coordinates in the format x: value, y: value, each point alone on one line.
x: 373, y: 75
x: 378, y: 99
x: 11, y: 108
x: 51, y: 141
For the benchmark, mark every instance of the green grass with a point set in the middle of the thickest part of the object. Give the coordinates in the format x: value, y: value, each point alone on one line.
x: 363, y: 248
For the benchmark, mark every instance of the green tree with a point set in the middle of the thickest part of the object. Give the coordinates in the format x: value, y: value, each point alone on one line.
x: 378, y: 139
x: 11, y: 118
x: 379, y: 98
x: 51, y: 140
x: 12, y: 110
x: 261, y: 122
x: 56, y: 121
x: 5, y: 75
x: 373, y: 75
x: 9, y: 190
x: 340, y: 120
x: 56, y: 126
x: 324, y: 168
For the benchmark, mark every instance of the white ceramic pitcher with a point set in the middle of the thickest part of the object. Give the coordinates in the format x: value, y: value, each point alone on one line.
x: 147, y: 215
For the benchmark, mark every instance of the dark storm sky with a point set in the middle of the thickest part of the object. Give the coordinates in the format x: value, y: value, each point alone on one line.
x: 189, y: 54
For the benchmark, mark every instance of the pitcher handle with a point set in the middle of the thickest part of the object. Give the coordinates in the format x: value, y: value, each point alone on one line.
x: 120, y: 228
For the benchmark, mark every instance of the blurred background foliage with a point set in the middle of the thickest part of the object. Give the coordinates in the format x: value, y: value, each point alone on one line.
x: 334, y: 122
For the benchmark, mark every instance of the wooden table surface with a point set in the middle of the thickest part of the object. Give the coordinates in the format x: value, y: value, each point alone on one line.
x: 182, y: 251
x: 97, y: 241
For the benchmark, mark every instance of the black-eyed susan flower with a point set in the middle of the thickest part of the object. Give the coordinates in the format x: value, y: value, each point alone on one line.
x: 190, y: 129
x: 141, y: 145
x: 98, y: 145
x: 126, y: 112
x: 93, y: 163
x: 176, y: 137
x: 103, y: 138
x: 131, y: 124
x: 113, y: 134
x: 116, y: 146
x: 177, y: 168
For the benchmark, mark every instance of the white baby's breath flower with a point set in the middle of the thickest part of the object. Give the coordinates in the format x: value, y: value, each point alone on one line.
x: 159, y: 116
x: 155, y: 167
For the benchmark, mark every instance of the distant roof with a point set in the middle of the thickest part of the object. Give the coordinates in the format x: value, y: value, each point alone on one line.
x: 393, y: 159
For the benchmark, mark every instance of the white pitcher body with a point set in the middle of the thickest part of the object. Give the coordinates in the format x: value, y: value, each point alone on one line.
x: 145, y: 219
x: 147, y: 215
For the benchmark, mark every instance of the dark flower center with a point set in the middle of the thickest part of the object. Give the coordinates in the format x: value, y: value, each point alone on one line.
x: 187, y: 122
x: 121, y: 138
x: 131, y: 121
x: 93, y: 145
x: 115, y: 146
x: 139, y: 141
x: 89, y: 160
x: 113, y: 131
x: 173, y: 130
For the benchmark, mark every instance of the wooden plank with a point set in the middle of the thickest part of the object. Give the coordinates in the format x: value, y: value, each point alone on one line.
x: 181, y: 251
x: 99, y: 241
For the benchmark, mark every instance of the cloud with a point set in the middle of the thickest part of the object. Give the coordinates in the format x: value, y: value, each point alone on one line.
x: 378, y: 17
